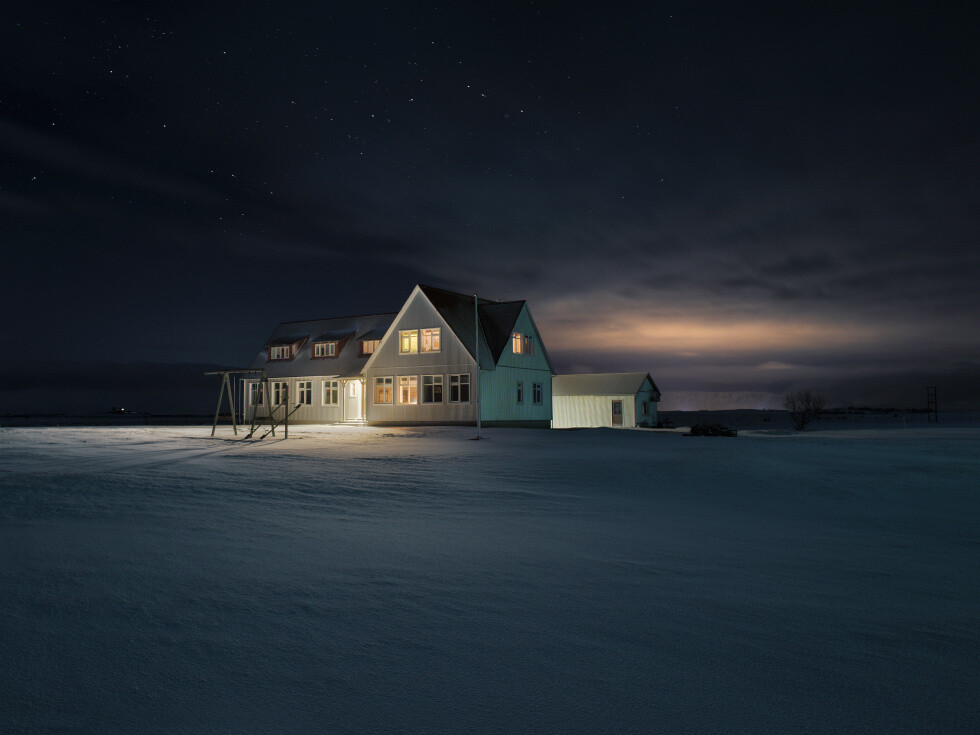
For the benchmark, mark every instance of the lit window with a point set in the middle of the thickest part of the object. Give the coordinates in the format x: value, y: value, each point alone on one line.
x: 368, y: 346
x: 431, y: 389
x: 408, y: 387
x: 255, y: 394
x: 528, y: 344
x: 538, y: 395
x: 325, y: 349
x: 520, y: 392
x: 459, y: 388
x: 408, y: 341
x: 430, y: 340
x: 281, y: 352
x: 330, y: 395
x: 279, y: 392
x: 515, y: 343
x: 304, y: 392
x: 382, y: 390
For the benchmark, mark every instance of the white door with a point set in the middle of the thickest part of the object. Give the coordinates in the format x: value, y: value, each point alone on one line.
x: 352, y: 399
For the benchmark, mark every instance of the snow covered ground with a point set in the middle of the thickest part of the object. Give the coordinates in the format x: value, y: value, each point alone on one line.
x: 355, y: 580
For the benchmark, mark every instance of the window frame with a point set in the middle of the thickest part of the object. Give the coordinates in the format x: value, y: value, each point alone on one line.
x: 458, y: 384
x: 374, y: 346
x: 276, y: 389
x: 519, y: 384
x: 435, y: 382
x: 528, y: 344
x: 537, y: 394
x: 414, y: 337
x: 304, y: 389
x: 280, y: 352
x: 256, y: 396
x: 410, y: 383
x: 434, y: 334
x: 388, y: 388
x: 516, y: 343
x: 327, y: 388
x: 330, y: 348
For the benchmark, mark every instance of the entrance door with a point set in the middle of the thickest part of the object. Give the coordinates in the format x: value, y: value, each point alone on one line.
x: 352, y: 400
x: 617, y: 413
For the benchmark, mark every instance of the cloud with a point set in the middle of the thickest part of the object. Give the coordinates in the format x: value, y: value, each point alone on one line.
x: 56, y: 153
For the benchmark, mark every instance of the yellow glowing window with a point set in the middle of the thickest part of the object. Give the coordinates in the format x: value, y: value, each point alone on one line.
x: 408, y: 389
x: 408, y: 341
x: 516, y: 343
x: 382, y: 390
x: 368, y: 346
x: 430, y: 340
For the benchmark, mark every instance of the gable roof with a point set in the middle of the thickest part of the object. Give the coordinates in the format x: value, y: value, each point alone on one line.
x: 349, y: 361
x: 601, y: 384
x: 498, y: 320
x: 456, y: 309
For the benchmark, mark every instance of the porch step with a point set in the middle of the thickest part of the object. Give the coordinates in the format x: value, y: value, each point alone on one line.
x: 354, y: 422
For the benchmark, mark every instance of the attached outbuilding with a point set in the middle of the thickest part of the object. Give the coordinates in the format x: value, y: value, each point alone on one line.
x: 604, y: 399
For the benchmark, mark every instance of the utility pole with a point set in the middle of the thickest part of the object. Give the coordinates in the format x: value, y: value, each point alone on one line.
x: 476, y: 352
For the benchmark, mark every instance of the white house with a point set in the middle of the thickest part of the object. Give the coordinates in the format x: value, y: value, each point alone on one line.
x: 604, y: 399
x: 427, y: 364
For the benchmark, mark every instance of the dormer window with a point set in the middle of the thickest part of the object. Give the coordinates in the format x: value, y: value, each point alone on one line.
x: 516, y: 343
x: 368, y: 346
x: 286, y: 346
x: 325, y: 349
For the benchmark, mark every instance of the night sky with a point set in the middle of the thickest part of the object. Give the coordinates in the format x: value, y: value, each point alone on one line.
x: 730, y: 196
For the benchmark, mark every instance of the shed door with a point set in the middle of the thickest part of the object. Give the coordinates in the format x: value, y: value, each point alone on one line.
x: 617, y: 413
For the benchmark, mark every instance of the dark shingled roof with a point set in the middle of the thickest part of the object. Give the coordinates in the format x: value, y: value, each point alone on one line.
x: 498, y: 322
x: 457, y: 310
x: 347, y: 363
x: 286, y: 339
x: 334, y: 335
x: 372, y: 334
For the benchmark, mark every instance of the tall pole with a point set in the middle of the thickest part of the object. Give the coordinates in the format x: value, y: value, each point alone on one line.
x: 476, y: 352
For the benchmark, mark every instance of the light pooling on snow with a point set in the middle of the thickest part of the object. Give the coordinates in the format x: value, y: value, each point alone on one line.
x: 355, y: 580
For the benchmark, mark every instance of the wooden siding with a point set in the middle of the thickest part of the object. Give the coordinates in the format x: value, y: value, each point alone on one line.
x: 315, y: 413
x: 452, y: 359
x: 498, y: 394
x: 591, y: 411
x: 536, y: 361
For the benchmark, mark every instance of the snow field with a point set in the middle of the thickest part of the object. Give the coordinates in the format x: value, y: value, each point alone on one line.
x: 358, y: 579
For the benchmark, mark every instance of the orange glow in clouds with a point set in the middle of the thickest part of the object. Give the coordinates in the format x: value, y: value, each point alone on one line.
x: 645, y: 334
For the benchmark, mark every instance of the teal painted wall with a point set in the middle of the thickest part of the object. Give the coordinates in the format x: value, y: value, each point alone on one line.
x: 498, y: 388
x: 498, y: 394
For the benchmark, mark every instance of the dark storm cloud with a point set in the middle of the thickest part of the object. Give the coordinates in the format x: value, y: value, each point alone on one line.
x: 792, y: 186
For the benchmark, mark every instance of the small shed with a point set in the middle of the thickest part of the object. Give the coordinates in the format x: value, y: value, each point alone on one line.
x: 604, y: 399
